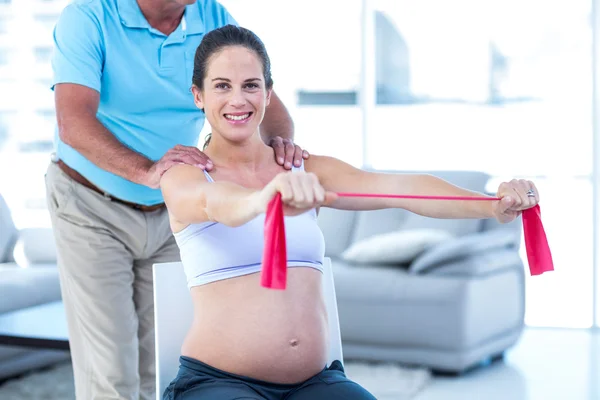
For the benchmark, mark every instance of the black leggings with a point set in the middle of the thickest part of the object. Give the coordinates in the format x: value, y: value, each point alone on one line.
x: 198, y: 381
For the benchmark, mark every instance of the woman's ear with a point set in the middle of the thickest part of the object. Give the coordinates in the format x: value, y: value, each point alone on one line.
x: 268, y: 100
x: 197, y: 97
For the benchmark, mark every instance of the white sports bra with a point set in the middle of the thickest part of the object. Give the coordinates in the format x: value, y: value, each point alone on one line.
x: 211, y: 251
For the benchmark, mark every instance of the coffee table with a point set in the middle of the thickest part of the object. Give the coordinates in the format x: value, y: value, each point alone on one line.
x: 43, y: 326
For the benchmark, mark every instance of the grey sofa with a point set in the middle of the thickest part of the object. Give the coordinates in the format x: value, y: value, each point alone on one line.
x: 456, y: 304
x: 31, y: 281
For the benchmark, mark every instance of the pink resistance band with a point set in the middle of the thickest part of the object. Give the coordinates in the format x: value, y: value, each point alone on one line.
x: 274, y: 269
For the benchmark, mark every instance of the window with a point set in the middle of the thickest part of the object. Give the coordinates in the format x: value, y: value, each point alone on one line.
x: 42, y: 54
x: 4, y: 25
x: 6, y: 54
x: 6, y: 121
x: 316, y: 67
x: 26, y: 128
x: 503, y: 87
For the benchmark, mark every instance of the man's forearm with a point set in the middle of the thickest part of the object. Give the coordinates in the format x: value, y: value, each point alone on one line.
x: 89, y: 137
x: 277, y: 121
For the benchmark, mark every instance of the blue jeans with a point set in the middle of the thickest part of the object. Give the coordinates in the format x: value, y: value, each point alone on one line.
x: 197, y: 381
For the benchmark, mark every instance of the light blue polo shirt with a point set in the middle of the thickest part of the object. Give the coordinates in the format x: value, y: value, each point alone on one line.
x: 143, y: 77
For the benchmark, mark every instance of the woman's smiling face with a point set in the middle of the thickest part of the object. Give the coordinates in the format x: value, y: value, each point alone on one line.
x: 234, y: 95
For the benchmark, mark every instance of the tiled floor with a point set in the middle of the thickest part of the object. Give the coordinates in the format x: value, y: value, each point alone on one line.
x: 546, y: 364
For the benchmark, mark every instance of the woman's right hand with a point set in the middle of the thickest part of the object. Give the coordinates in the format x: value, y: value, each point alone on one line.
x: 300, y: 192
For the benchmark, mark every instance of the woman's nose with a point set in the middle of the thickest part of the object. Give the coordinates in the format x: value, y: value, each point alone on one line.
x: 237, y: 98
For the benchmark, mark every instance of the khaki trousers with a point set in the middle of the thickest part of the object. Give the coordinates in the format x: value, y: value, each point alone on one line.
x: 105, y: 256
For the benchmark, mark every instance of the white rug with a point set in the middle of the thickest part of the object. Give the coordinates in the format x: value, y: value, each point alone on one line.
x: 388, y: 381
x: 385, y: 381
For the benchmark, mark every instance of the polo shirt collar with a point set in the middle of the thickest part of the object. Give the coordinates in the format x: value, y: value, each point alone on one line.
x: 132, y: 17
x: 194, y: 22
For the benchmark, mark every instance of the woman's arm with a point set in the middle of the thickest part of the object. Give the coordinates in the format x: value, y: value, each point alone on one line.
x: 338, y: 176
x: 190, y: 198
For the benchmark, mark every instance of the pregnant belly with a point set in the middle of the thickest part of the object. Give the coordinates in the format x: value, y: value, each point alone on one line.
x: 280, y: 336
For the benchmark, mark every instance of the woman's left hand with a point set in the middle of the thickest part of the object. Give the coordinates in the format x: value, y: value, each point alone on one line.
x: 515, y: 196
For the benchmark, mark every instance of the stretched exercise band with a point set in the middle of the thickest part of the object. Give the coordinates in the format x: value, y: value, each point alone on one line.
x: 274, y: 268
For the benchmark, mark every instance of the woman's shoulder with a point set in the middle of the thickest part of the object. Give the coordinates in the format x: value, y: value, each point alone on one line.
x: 180, y: 179
x: 182, y: 173
x: 330, y: 169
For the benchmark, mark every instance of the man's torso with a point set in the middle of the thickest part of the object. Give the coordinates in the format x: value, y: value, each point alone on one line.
x: 146, y: 75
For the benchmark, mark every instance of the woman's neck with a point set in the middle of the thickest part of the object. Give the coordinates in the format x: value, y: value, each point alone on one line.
x: 251, y: 155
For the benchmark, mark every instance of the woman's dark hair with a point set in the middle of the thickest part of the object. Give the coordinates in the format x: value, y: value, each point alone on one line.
x: 218, y: 39
x: 229, y: 35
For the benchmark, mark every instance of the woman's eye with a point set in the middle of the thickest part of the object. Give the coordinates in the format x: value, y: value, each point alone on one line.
x: 251, y: 86
x: 221, y: 85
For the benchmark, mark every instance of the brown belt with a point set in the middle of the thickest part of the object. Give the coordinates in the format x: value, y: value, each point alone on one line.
x: 77, y: 177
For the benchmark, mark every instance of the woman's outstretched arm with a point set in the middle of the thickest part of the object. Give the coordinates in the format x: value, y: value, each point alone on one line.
x: 190, y: 198
x: 338, y: 176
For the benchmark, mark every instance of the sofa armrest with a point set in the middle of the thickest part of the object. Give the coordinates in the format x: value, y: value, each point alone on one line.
x: 464, y: 247
x: 28, y: 287
x: 35, y: 246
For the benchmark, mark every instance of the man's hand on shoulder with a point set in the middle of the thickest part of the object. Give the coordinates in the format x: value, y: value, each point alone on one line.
x: 286, y: 152
x: 177, y: 155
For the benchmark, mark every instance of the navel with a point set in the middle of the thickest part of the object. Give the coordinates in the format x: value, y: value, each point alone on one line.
x: 294, y: 342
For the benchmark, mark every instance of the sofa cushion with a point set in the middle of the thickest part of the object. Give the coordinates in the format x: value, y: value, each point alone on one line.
x: 370, y: 223
x: 456, y: 227
x: 26, y: 287
x: 337, y: 227
x: 397, y: 247
x: 35, y: 246
x: 464, y: 247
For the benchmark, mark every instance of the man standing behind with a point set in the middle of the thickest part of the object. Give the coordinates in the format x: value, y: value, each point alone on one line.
x: 122, y: 74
